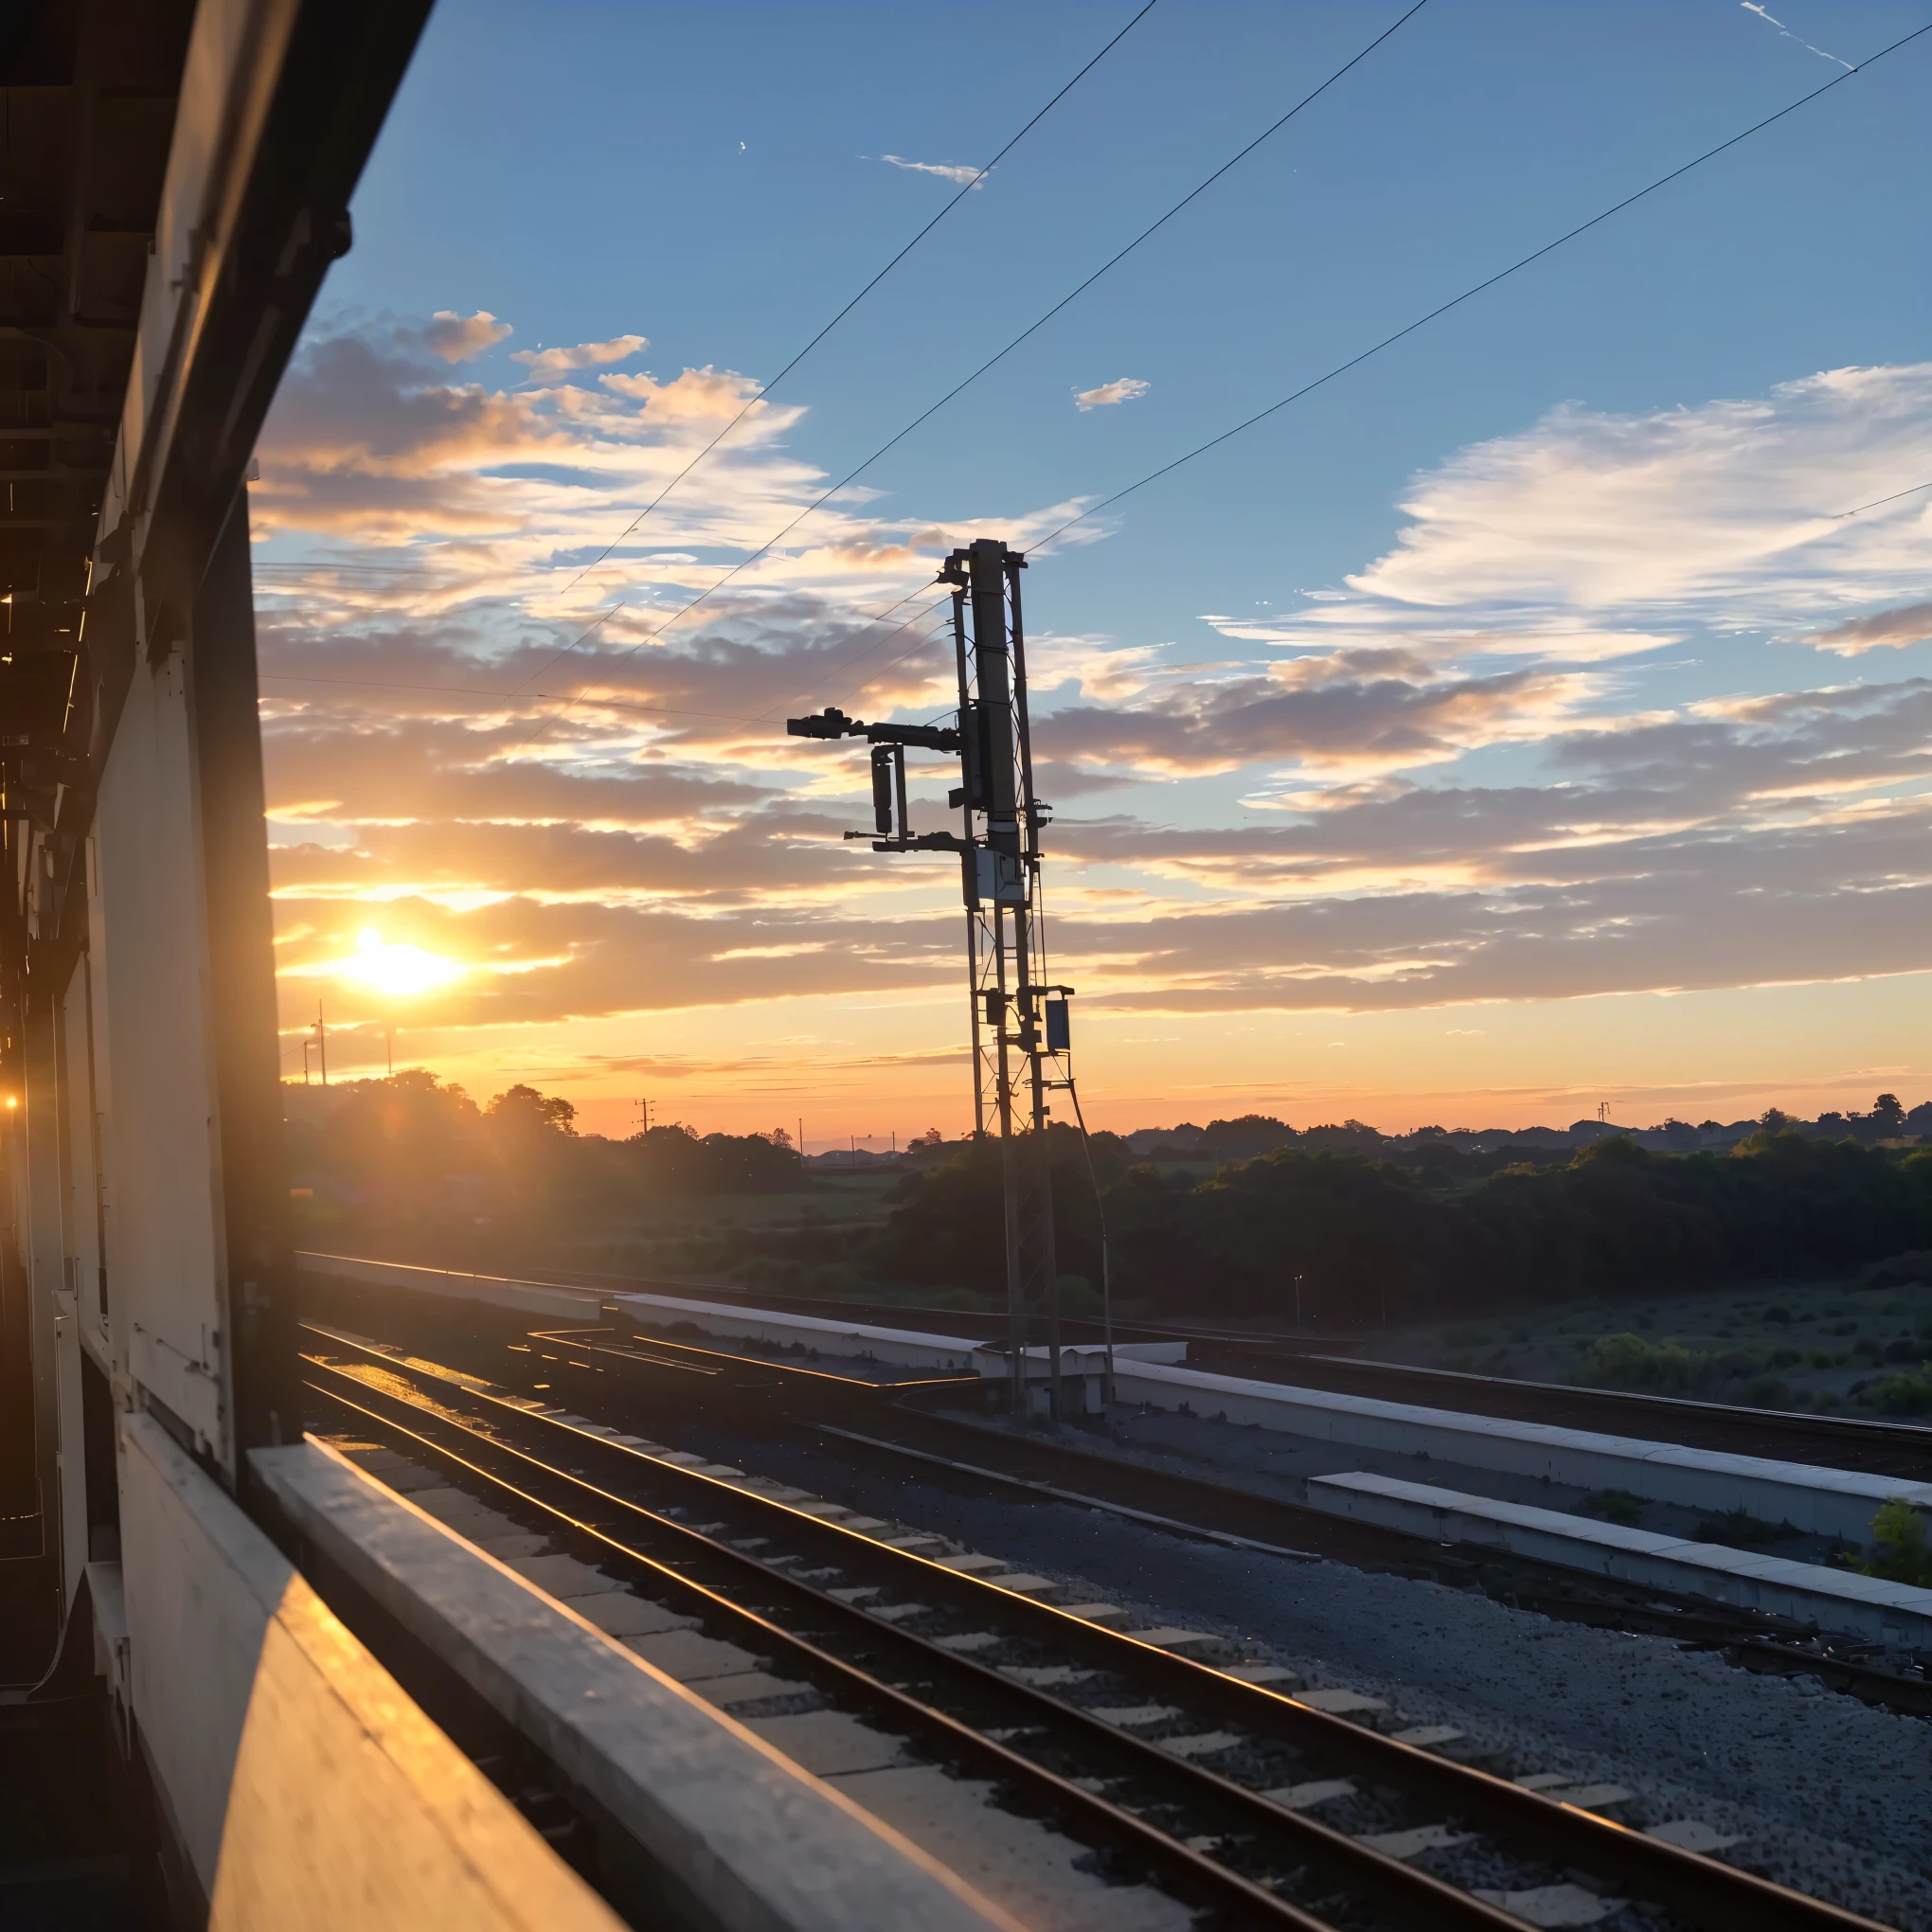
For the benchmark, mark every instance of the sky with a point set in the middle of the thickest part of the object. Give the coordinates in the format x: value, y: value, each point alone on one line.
x: 1535, y: 715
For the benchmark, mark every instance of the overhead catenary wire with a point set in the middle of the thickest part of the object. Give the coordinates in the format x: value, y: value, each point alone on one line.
x: 959, y: 388
x: 1877, y: 502
x: 765, y: 389
x: 1489, y: 283
x: 1073, y: 294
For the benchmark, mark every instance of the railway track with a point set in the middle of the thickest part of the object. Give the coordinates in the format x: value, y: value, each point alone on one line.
x: 909, y: 1426
x: 1874, y: 1445
x: 1179, y: 1779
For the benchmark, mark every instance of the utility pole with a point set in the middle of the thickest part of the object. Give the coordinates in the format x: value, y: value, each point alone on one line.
x: 322, y: 1042
x: 389, y: 1051
x: 999, y: 851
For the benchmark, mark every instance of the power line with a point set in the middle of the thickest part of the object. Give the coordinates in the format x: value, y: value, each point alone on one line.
x: 1031, y: 328
x: 765, y: 389
x: 1842, y: 514
x: 1457, y: 301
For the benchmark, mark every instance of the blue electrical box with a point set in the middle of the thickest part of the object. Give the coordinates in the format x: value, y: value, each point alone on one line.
x: 1059, y: 1028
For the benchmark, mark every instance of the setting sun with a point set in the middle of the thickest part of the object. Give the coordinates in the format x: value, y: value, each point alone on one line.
x: 397, y: 970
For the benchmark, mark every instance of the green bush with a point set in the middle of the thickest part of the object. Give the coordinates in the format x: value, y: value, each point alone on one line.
x: 1909, y: 1394
x: 1627, y: 1361
x: 1079, y: 1297
x: 1899, y: 1551
x: 1900, y: 1270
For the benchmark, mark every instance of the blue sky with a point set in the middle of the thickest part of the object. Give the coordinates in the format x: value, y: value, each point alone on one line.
x: 1551, y: 515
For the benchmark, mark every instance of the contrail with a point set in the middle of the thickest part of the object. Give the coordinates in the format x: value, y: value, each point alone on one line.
x: 1752, y: 7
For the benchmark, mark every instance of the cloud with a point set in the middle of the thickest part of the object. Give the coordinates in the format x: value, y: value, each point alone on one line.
x: 365, y: 772
x: 1591, y: 536
x: 459, y: 339
x: 1351, y: 712
x: 388, y: 488
x: 946, y: 170
x: 1125, y: 389
x: 551, y: 364
x: 1723, y: 772
x: 540, y: 963
x: 1445, y: 782
x: 1911, y: 625
x: 697, y: 396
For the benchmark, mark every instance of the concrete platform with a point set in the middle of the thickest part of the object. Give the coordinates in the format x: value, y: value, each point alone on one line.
x: 738, y: 1836
x: 841, y: 1340
x: 869, y: 1342
x: 306, y: 1789
x: 561, y: 1305
x: 1834, y: 1599
x: 1827, y: 1502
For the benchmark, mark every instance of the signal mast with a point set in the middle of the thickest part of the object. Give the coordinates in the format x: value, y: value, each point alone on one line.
x: 1019, y: 1021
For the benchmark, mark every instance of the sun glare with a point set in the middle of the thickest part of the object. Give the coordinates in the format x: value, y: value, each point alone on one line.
x: 396, y: 970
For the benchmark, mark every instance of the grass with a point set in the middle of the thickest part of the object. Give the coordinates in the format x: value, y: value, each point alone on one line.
x: 1773, y: 1345
x: 1739, y: 1529
x: 1615, y: 1506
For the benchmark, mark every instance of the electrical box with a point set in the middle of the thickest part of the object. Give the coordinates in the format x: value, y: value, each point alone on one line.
x: 999, y: 878
x: 1059, y: 1027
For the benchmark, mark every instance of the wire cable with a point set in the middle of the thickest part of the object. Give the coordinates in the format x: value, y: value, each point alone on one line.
x: 1502, y: 275
x: 1842, y: 514
x: 765, y: 389
x: 1031, y: 328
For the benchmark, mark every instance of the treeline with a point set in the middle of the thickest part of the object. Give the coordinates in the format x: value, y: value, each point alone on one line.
x: 1363, y: 1239
x: 1327, y: 1223
x: 410, y: 1155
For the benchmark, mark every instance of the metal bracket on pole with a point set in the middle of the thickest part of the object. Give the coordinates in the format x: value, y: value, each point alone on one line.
x: 999, y: 847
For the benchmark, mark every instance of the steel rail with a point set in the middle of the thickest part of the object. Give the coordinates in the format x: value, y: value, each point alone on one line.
x: 1702, y: 1889
x: 1525, y: 1581
x: 1755, y: 1640
x: 723, y: 1361
x: 1303, y: 1361
x: 1413, y: 1897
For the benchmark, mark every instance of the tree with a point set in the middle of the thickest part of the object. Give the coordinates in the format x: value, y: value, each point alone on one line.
x: 1776, y: 1118
x: 524, y: 1107
x: 1242, y: 1139
x: 1887, y: 1115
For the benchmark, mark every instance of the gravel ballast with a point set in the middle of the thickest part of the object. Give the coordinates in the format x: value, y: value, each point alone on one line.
x: 1825, y: 1793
